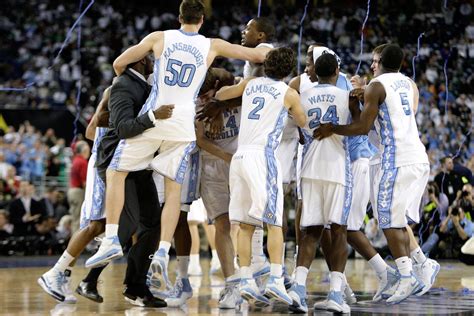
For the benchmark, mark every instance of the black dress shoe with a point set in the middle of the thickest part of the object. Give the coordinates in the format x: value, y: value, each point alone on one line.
x: 89, y: 290
x: 145, y: 300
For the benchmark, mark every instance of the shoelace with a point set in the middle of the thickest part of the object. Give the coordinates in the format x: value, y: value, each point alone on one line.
x: 60, y: 279
x: 176, y: 289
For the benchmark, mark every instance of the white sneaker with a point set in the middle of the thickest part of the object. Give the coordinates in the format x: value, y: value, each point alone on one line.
x: 215, y: 265
x: 159, y: 268
x: 426, y: 272
x: 388, y: 281
x: 69, y: 294
x: 321, y: 305
x: 249, y: 291
x: 109, y: 249
x: 52, y: 283
x: 230, y: 298
x: 195, y: 270
x: 298, y: 296
x: 260, y: 267
x: 349, y: 295
x: 275, y: 288
x: 407, y: 286
x: 181, y: 292
x: 336, y: 303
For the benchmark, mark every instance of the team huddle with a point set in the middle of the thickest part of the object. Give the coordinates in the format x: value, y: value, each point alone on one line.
x: 252, y: 137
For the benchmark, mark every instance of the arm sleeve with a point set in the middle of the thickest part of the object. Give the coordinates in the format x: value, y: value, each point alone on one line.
x: 121, y: 107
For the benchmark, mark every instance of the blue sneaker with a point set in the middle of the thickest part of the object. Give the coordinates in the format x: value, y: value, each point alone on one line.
x: 275, y: 288
x: 181, y: 292
x: 260, y: 267
x: 426, y: 273
x: 336, y: 303
x: 287, y: 279
x: 109, y: 249
x: 159, y: 269
x: 388, y: 281
x: 249, y: 291
x: 407, y: 286
x: 298, y: 295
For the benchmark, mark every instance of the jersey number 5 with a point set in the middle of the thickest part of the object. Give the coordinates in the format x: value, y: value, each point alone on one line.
x: 405, y: 103
x: 260, y: 102
x: 329, y: 116
x: 182, y: 75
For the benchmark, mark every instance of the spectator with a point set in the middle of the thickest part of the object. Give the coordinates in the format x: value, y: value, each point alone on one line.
x: 52, y: 205
x: 448, y: 180
x: 25, y: 211
x: 456, y: 229
x: 77, y: 181
x: 4, y: 166
x: 64, y: 229
x: 465, y: 201
x: 435, y: 200
x: 6, y: 229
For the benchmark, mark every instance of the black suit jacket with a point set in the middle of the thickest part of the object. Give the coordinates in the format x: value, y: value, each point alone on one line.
x: 127, y: 97
x: 17, y: 210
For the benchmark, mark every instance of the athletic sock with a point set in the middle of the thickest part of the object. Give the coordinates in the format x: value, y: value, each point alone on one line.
x: 63, y: 262
x: 378, y: 264
x: 418, y: 256
x: 301, y: 275
x: 111, y: 230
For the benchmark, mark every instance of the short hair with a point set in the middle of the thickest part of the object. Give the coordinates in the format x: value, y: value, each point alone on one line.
x: 378, y: 50
x: 209, y: 82
x: 191, y: 11
x: 279, y: 63
x: 80, y: 145
x: 443, y: 160
x: 266, y: 26
x: 391, y: 57
x: 326, y: 66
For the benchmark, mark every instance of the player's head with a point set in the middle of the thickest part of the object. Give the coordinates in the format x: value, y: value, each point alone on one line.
x: 375, y: 65
x: 327, y: 68
x: 309, y: 69
x: 447, y: 163
x: 144, y: 65
x: 258, y: 30
x: 279, y: 63
x: 319, y: 49
x: 391, y: 58
x: 191, y: 12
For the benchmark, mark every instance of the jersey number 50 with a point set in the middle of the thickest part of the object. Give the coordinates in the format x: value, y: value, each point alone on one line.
x: 182, y: 75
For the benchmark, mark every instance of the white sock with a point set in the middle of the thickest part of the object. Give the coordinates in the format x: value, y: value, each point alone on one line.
x: 64, y: 261
x: 194, y: 259
x: 232, y: 279
x: 166, y: 245
x: 337, y: 280
x: 283, y: 254
x: 404, y: 266
x: 257, y: 245
x: 301, y: 275
x: 276, y: 270
x: 246, y: 273
x: 214, y: 254
x: 418, y: 256
x: 111, y: 230
x: 183, y: 265
x: 378, y: 264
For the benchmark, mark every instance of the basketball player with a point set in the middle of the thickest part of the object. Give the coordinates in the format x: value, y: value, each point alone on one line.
x: 425, y: 269
x: 255, y: 175
x: 326, y: 184
x: 404, y: 171
x: 182, y: 58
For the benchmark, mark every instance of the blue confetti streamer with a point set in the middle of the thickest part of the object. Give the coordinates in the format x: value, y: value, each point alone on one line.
x: 446, y: 82
x: 417, y: 55
x: 301, y: 34
x: 79, y: 82
x: 362, y: 37
x: 28, y: 85
x: 445, y: 4
x: 259, y: 7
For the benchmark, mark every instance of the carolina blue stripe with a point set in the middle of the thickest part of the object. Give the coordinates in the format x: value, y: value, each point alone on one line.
x: 348, y: 186
x: 385, y: 196
x: 98, y: 197
x: 386, y: 138
x: 193, y: 178
x: 100, y: 132
x: 117, y: 155
x: 181, y: 173
x: 272, y: 170
x: 151, y: 100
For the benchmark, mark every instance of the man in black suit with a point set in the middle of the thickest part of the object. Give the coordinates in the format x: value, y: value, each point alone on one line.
x: 25, y: 211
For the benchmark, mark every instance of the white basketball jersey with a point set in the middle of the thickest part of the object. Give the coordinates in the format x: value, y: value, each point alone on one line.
x: 305, y: 82
x: 263, y: 114
x: 99, y: 133
x: 178, y: 75
x: 249, y: 67
x: 396, y: 124
x: 228, y: 138
x: 329, y: 158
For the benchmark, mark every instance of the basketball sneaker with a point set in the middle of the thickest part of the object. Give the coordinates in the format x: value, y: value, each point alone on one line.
x: 144, y: 299
x: 182, y: 291
x: 298, y: 295
x: 275, y: 288
x: 260, y: 266
x: 249, y: 291
x: 215, y: 265
x: 349, y: 295
x: 426, y: 272
x: 336, y: 303
x: 52, y: 283
x: 230, y: 298
x: 69, y: 297
x: 407, y: 286
x: 388, y: 281
x: 287, y: 279
x: 109, y: 249
x: 321, y: 305
x: 159, y: 268
x: 89, y: 290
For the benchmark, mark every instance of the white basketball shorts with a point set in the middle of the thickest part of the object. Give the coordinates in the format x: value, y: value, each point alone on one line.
x: 93, y: 207
x: 360, y: 193
x: 215, y: 191
x: 286, y: 154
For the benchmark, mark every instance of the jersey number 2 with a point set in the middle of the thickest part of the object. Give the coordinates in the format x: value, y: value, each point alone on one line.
x: 260, y: 102
x: 182, y: 75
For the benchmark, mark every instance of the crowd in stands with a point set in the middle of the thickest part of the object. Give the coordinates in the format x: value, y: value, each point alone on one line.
x: 32, y: 37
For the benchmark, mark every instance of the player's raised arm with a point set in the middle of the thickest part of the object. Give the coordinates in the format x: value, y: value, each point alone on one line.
x: 293, y: 104
x: 152, y: 42
x: 223, y: 48
x: 231, y: 92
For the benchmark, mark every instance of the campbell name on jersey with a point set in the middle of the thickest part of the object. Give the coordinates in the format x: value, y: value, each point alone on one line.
x: 327, y: 159
x: 396, y: 124
x: 178, y: 75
